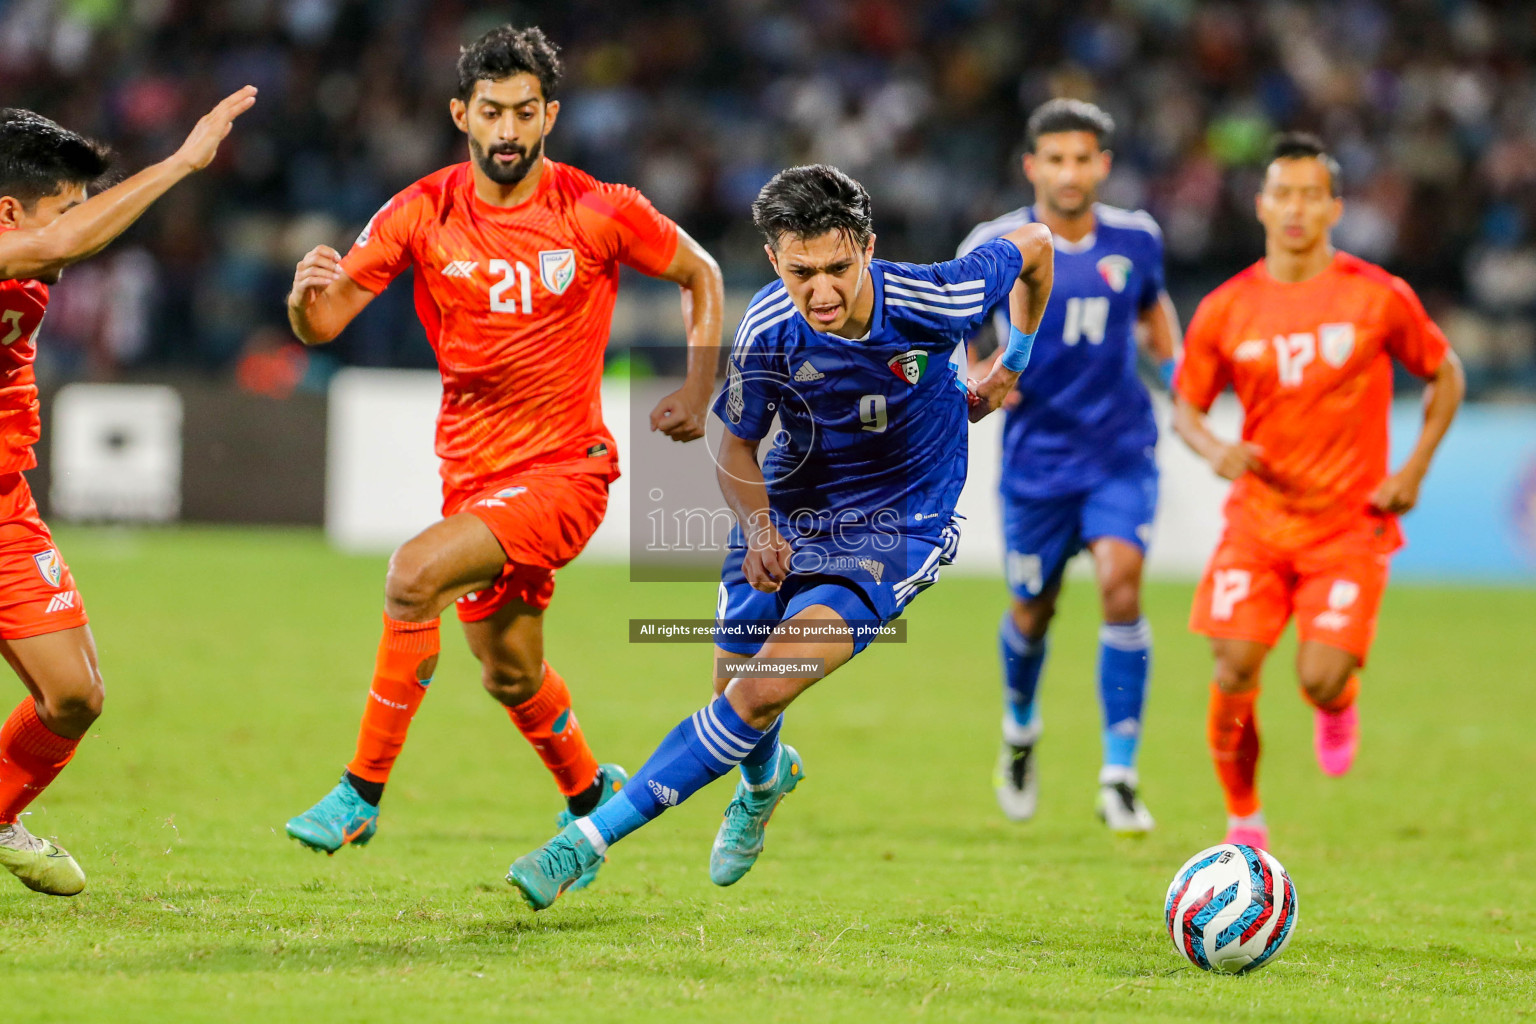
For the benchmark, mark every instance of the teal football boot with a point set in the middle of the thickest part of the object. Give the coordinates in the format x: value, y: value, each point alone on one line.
x: 740, y: 838
x: 614, y: 779
x: 541, y: 876
x: 342, y: 817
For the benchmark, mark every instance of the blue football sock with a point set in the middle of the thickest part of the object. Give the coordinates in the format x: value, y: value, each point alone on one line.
x: 1023, y: 659
x: 703, y: 747
x: 1125, y: 661
x: 760, y: 769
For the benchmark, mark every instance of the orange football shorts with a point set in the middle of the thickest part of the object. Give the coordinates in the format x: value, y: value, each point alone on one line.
x: 542, y: 518
x: 1252, y: 588
x: 37, y: 591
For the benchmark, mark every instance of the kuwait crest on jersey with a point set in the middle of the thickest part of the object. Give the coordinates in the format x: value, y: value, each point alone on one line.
x: 50, y: 566
x: 909, y: 366
x: 557, y: 269
x: 1115, y: 270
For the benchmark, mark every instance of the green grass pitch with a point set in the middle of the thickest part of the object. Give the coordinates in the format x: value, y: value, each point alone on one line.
x: 236, y: 666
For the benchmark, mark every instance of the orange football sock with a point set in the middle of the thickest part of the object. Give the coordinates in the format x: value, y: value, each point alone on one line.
x: 31, y: 756
x: 407, y: 656
x: 548, y: 722
x: 1233, y: 730
x: 1344, y: 699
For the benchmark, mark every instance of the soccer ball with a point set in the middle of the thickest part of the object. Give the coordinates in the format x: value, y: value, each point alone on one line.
x: 1231, y: 909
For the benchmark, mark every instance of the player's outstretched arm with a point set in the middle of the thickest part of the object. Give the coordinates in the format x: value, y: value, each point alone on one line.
x: 1026, y: 305
x: 324, y: 299
x: 766, y: 566
x: 1399, y: 492
x: 86, y: 229
x: 681, y: 415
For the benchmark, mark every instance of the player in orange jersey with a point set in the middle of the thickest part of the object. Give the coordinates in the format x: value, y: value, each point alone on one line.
x: 1306, y: 337
x: 517, y: 265
x: 47, y: 223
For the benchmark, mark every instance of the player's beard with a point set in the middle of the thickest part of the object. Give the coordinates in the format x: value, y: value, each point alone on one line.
x: 1064, y: 210
x: 510, y: 174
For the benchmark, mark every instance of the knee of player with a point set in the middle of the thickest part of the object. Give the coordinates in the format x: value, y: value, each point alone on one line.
x: 74, y: 703
x: 1322, y: 683
x: 1121, y: 597
x: 410, y: 588
x: 1236, y: 676
x: 511, y: 682
x: 761, y: 700
x: 1033, y: 618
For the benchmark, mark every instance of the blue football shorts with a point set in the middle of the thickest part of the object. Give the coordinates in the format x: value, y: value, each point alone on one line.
x: 1042, y: 534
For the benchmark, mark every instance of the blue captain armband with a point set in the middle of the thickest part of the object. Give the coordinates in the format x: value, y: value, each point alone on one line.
x: 1016, y: 355
x: 1165, y: 368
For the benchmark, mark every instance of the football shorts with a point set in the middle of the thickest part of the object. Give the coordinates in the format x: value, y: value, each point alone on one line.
x: 1333, y: 588
x: 867, y: 579
x: 1041, y: 535
x: 542, y: 518
x: 37, y: 590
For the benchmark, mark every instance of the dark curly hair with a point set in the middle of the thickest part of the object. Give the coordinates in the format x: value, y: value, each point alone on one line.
x: 507, y: 51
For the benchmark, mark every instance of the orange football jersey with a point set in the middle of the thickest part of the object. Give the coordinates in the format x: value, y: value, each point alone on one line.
x: 517, y: 303
x: 22, y: 305
x: 1311, y: 363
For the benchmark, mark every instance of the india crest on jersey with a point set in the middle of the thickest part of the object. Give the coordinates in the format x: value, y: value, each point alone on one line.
x: 557, y: 269
x: 1337, y: 342
x: 49, y: 565
x: 1115, y: 270
x: 909, y: 366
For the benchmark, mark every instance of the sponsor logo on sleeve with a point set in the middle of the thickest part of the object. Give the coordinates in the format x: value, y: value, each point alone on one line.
x: 557, y: 269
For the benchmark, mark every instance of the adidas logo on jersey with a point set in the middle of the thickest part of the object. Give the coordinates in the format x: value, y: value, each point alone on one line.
x: 666, y: 794
x: 460, y: 268
x: 808, y: 373
x: 874, y: 568
x: 61, y: 602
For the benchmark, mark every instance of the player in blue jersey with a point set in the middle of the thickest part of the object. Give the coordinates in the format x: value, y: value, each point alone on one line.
x: 1078, y: 439
x: 851, y: 513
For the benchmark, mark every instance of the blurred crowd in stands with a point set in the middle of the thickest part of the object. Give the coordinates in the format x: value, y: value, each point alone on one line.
x: 1430, y: 106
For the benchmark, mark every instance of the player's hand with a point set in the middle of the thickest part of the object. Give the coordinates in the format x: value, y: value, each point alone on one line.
x: 989, y: 394
x: 766, y: 566
x: 1398, y: 493
x: 681, y: 415
x: 201, y: 145
x: 1231, y: 461
x: 316, y: 271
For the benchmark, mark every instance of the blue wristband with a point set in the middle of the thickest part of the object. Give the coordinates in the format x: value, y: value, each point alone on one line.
x: 1165, y: 370
x: 1016, y: 355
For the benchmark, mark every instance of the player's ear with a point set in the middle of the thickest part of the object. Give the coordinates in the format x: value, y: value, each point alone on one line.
x: 1029, y: 167
x: 773, y: 257
x: 460, y: 114
x: 1106, y: 161
x: 551, y: 111
x: 869, y: 248
x: 11, y: 212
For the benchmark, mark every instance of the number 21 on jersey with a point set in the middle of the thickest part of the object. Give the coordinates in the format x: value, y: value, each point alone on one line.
x: 512, y: 275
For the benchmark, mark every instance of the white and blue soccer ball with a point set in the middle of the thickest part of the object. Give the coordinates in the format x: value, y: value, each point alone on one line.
x: 1231, y: 909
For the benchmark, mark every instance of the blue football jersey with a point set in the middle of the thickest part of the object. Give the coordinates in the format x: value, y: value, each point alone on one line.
x: 872, y: 432
x: 1085, y: 414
